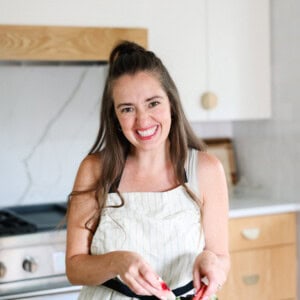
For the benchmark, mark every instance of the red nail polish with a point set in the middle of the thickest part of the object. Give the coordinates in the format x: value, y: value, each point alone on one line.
x: 164, y: 286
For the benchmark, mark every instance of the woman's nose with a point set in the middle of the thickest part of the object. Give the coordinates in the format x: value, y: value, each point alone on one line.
x: 141, y: 117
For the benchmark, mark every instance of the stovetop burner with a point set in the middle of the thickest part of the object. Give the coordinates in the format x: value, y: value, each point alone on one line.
x: 12, y: 225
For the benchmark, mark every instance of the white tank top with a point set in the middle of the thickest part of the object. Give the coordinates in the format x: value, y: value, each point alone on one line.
x: 163, y: 227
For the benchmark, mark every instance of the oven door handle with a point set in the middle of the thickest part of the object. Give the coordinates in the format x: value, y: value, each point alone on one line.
x: 33, y: 294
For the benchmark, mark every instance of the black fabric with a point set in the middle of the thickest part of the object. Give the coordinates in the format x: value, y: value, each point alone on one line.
x: 117, y: 285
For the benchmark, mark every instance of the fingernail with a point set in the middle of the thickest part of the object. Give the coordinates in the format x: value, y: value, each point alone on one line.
x: 163, y: 285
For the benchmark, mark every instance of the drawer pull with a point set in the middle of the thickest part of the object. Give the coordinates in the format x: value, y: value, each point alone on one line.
x: 251, y: 279
x: 251, y: 233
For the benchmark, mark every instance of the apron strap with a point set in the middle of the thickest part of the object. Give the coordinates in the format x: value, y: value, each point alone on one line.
x: 119, y: 286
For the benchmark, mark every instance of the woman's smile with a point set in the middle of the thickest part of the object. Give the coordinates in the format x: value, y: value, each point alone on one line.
x: 148, y: 133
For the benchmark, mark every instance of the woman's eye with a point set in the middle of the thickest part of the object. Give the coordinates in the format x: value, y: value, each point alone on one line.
x: 126, y: 110
x: 153, y: 103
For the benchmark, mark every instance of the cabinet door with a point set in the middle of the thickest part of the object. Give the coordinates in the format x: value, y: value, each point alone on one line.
x: 239, y: 58
x: 283, y: 269
x: 267, y: 273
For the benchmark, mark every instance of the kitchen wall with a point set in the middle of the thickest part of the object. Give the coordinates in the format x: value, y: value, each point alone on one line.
x: 268, y: 151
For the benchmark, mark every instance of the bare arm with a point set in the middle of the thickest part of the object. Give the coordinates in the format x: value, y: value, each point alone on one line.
x: 81, y: 267
x: 214, y: 261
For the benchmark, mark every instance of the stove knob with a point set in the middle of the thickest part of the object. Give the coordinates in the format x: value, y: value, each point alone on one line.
x: 2, y: 270
x: 30, y: 265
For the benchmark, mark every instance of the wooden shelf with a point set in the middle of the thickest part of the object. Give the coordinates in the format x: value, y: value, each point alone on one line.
x: 59, y: 43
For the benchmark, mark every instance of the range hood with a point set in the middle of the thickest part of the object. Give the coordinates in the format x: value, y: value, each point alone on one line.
x: 62, y: 44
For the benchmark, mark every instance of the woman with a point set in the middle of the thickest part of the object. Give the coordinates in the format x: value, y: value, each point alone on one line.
x: 148, y: 202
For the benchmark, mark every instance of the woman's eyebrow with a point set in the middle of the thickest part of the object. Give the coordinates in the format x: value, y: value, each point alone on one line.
x: 147, y: 100
x: 152, y: 98
x: 124, y: 104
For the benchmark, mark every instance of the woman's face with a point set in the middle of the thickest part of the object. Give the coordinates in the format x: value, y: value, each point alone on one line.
x: 143, y: 110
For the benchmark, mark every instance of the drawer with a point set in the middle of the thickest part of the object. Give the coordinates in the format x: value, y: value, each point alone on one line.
x: 266, y: 273
x: 262, y: 231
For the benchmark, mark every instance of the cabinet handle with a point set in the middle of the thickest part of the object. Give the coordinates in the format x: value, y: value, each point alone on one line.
x: 251, y: 233
x: 251, y: 279
x: 209, y: 101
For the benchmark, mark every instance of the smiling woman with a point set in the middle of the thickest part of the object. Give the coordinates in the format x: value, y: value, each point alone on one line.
x: 136, y: 213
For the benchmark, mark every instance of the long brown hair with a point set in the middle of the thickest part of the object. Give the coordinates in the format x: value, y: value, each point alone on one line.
x: 130, y: 58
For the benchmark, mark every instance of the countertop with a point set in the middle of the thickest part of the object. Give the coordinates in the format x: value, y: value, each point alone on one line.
x: 256, y: 205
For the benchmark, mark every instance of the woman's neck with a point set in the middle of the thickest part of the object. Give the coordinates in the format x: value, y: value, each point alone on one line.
x: 150, y: 159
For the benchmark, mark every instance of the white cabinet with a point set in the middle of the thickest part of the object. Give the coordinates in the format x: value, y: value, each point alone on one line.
x: 238, y: 58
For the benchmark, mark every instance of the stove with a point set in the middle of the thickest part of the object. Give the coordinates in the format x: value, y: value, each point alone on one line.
x: 32, y: 249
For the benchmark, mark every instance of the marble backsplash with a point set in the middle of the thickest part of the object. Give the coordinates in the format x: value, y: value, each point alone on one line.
x: 49, y: 118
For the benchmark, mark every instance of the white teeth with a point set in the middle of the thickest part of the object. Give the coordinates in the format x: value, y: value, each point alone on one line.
x: 148, y: 132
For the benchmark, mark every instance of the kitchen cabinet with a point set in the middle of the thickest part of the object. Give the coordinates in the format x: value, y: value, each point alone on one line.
x: 263, y: 257
x: 237, y: 61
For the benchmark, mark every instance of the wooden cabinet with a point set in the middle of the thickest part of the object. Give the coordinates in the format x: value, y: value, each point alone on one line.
x: 263, y: 257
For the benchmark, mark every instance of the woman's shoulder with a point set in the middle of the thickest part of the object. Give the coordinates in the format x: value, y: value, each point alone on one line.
x: 91, y: 160
x: 92, y: 163
x: 211, y: 173
x: 89, y: 171
x: 208, y: 162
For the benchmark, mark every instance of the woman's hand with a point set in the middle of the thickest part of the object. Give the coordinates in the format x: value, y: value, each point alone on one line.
x: 137, y: 274
x: 207, y: 264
